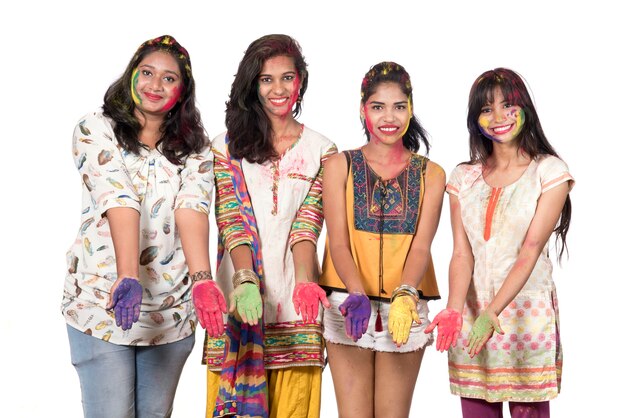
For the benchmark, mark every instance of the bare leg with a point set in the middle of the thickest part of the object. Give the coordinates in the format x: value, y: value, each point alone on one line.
x: 396, y: 374
x: 352, y: 369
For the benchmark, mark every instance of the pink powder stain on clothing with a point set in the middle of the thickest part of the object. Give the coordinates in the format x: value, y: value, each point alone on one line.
x: 279, y: 310
x: 527, y: 304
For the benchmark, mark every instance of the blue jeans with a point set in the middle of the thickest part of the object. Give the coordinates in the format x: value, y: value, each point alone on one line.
x: 123, y: 381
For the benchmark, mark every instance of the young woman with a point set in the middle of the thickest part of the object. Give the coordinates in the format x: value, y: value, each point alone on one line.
x: 382, y: 204
x: 147, y: 175
x: 504, y: 204
x: 268, y: 171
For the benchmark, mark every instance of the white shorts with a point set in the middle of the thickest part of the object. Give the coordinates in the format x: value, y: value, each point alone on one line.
x: 335, y: 331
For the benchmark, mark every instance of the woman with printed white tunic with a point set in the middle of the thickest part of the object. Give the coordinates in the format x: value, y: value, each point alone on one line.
x: 505, y: 203
x: 268, y: 170
x: 147, y: 173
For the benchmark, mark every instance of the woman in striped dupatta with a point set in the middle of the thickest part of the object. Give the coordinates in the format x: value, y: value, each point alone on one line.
x: 268, y: 170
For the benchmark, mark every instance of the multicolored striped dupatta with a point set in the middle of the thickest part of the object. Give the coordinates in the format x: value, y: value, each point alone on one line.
x: 243, y: 388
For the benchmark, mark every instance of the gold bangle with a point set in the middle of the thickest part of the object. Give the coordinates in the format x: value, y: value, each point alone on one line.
x: 405, y: 290
x: 245, y: 276
x: 200, y: 275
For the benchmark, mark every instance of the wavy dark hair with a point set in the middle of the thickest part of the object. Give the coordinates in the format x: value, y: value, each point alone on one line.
x: 390, y: 72
x: 249, y: 128
x: 531, y: 138
x: 182, y: 132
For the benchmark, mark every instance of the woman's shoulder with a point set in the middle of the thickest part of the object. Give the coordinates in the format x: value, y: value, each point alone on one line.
x: 219, y: 143
x: 314, y: 137
x: 549, y: 160
x: 94, y: 119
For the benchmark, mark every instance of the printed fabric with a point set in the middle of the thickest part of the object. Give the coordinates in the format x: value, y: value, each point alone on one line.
x: 153, y: 186
x: 525, y: 363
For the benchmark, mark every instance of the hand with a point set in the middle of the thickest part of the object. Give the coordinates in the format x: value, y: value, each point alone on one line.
x: 449, y: 323
x: 246, y: 301
x: 125, y: 301
x: 482, y: 330
x: 210, y: 304
x: 306, y: 299
x: 357, y: 310
x: 402, y: 313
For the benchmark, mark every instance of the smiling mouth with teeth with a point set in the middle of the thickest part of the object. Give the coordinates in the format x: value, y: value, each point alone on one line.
x: 502, y: 129
x: 278, y: 101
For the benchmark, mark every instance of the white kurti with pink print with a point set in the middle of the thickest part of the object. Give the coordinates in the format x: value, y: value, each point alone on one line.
x: 525, y: 363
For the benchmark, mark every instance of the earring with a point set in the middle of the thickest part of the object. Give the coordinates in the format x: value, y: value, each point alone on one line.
x: 169, y: 114
x: 299, y: 101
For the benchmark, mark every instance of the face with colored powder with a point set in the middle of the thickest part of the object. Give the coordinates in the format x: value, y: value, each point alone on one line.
x: 387, y: 113
x: 156, y: 83
x: 279, y: 86
x: 501, y: 121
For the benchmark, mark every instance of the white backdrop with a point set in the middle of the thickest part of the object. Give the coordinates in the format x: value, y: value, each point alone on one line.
x: 59, y: 58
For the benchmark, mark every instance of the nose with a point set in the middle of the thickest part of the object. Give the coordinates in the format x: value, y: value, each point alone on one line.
x: 278, y: 86
x: 500, y: 115
x: 388, y: 115
x: 156, y: 84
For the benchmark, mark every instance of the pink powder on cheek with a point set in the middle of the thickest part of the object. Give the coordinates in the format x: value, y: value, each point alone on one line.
x: 295, y: 93
x: 175, y: 96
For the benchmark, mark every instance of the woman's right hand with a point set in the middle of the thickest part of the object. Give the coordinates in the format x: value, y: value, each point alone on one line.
x: 247, y: 303
x: 210, y: 304
x: 357, y: 310
x: 449, y: 323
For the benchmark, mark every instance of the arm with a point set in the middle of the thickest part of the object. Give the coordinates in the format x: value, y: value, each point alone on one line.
x: 356, y: 308
x: 546, y: 216
x: 245, y: 300
x: 104, y: 173
x: 334, y: 197
x: 403, y: 309
x: 208, y: 299
x: 449, y: 321
x: 305, y: 231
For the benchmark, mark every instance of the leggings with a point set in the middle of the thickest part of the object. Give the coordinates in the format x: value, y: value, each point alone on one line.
x: 479, y: 408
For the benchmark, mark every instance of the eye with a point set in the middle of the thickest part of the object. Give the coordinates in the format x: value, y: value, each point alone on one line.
x: 377, y: 107
x: 401, y: 107
x: 146, y: 73
x: 485, y: 110
x: 265, y: 79
x: 169, y: 79
x: 508, y: 105
x: 288, y: 77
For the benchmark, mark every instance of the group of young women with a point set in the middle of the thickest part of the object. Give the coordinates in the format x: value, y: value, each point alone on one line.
x: 139, y: 275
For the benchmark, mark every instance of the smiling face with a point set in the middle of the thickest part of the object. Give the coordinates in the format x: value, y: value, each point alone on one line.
x: 156, y: 83
x: 387, y: 113
x: 501, y: 121
x: 279, y: 86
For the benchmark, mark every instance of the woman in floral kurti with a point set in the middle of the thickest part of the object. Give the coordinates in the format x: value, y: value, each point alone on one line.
x: 146, y: 189
x: 268, y: 209
x: 505, y: 203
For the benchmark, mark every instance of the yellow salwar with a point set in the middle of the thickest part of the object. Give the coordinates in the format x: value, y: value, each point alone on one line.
x: 294, y: 392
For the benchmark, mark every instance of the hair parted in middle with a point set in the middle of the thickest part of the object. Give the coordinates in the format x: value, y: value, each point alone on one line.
x: 390, y: 72
x: 531, y: 138
x: 182, y: 132
x: 249, y: 128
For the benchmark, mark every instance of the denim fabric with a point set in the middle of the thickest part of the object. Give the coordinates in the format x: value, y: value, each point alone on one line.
x: 122, y: 381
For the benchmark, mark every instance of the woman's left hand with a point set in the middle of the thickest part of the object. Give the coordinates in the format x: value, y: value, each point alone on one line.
x: 306, y: 298
x: 483, y: 328
x: 402, y: 313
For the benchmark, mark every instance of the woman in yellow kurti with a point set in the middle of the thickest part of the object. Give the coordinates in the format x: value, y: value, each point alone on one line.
x: 382, y: 204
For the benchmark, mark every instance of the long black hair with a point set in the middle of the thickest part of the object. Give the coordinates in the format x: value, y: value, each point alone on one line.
x: 390, y: 72
x: 182, y: 132
x: 531, y: 138
x: 249, y: 128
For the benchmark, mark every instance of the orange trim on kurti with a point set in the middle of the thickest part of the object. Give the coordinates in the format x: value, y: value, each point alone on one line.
x: 491, y: 208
